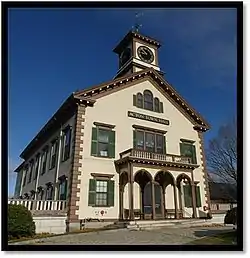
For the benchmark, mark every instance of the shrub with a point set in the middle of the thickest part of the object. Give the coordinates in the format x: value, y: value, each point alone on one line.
x: 20, y: 222
x: 231, y: 216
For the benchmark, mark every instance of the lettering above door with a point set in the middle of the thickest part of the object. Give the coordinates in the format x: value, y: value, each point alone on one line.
x: 148, y: 118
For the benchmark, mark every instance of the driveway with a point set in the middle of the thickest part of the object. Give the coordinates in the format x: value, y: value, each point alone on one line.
x: 162, y: 236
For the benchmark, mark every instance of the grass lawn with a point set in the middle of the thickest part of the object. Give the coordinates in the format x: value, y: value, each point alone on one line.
x: 228, y: 238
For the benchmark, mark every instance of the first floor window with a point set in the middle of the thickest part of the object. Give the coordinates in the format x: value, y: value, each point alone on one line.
x: 188, y: 196
x: 149, y: 141
x: 103, y: 142
x: 63, y: 189
x: 49, y: 193
x: 101, y: 192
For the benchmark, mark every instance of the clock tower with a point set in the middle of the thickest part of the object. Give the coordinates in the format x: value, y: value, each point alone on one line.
x: 137, y: 52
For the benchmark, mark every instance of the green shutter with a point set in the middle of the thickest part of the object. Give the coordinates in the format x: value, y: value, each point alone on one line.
x: 161, y: 107
x: 94, y: 141
x: 187, y: 195
x: 164, y: 145
x: 198, y: 196
x: 194, y: 160
x: 112, y: 144
x: 134, y: 100
x: 92, y: 190
x: 111, y: 189
x: 134, y: 139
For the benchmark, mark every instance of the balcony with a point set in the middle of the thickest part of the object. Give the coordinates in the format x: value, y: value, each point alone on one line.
x: 141, y: 156
x: 37, y: 207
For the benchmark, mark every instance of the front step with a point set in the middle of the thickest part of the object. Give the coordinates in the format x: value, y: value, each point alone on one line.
x: 147, y: 225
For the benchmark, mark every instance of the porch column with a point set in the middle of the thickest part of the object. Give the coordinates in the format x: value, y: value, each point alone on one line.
x: 163, y: 202
x: 131, y: 193
x: 121, y: 190
x: 142, y: 201
x: 153, y: 199
x: 194, y: 200
x: 175, y: 202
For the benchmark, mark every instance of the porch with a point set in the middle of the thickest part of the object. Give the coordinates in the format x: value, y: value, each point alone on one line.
x: 154, y: 185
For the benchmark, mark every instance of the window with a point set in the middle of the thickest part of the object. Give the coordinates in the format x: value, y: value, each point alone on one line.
x: 157, y: 105
x: 25, y: 171
x: 66, y: 144
x: 148, y: 100
x: 149, y: 141
x: 101, y: 192
x: 103, y: 142
x: 63, y: 189
x: 187, y: 149
x: 31, y: 170
x: 53, y: 153
x: 44, y: 160
x: 36, y: 166
x: 188, y: 196
x: 49, y: 192
x: 139, y: 100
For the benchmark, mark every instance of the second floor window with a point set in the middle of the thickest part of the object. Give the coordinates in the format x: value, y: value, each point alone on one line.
x: 66, y: 144
x: 25, y: 171
x: 149, y: 141
x: 53, y: 154
x: 187, y: 149
x: 44, y: 161
x: 31, y: 170
x: 37, y: 166
x: 103, y: 142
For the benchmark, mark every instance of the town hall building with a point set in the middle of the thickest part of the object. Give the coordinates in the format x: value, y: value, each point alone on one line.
x: 128, y: 149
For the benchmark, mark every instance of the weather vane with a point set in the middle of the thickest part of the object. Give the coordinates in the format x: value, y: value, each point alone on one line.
x: 137, y: 25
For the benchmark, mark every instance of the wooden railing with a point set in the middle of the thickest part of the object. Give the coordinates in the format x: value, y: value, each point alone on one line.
x: 37, y: 205
x: 155, y: 156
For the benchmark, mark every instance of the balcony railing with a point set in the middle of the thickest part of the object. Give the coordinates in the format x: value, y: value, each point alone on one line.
x: 37, y: 205
x: 155, y: 156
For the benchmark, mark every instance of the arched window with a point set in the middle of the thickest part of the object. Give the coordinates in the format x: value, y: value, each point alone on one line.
x: 157, y: 105
x: 148, y: 100
x: 139, y: 100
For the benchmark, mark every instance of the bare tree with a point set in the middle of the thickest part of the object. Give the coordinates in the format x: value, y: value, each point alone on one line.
x: 222, y: 153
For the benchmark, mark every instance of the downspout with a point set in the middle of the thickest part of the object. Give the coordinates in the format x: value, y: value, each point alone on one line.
x: 58, y: 165
x: 38, y: 175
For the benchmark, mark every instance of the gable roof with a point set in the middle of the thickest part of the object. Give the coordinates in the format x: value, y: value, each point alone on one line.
x: 149, y: 73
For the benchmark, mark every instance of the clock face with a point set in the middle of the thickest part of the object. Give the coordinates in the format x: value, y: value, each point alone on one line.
x: 126, y: 54
x: 145, y: 54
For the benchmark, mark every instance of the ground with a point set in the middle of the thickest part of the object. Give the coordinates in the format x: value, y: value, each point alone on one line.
x: 162, y: 236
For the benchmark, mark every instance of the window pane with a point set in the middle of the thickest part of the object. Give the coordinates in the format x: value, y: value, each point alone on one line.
x: 157, y: 105
x: 139, y: 100
x: 150, y: 142
x: 140, y: 140
x: 103, y: 149
x: 103, y: 136
x: 148, y: 100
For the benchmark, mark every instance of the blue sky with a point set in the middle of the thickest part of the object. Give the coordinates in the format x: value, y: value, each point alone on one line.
x: 53, y: 52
